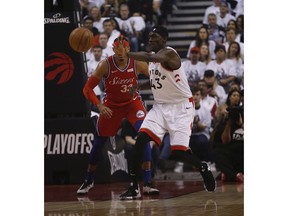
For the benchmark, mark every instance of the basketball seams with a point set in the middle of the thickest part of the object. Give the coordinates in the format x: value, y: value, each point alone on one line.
x: 81, y: 39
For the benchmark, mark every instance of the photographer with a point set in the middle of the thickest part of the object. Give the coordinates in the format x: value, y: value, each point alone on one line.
x: 228, y: 139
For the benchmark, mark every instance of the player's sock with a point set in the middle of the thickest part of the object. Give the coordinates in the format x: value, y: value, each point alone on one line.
x: 90, y: 176
x: 147, y: 176
x: 95, y: 153
x: 94, y: 156
x: 139, y: 150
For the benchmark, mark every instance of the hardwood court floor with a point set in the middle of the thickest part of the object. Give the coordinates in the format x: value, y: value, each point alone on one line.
x: 177, y: 197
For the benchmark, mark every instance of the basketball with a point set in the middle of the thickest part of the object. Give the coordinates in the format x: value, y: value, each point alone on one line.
x: 81, y: 39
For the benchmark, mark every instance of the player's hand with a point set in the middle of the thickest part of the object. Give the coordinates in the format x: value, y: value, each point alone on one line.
x: 122, y: 49
x: 133, y: 90
x: 105, y: 111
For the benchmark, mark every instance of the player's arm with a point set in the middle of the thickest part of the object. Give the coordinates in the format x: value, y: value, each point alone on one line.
x: 167, y: 57
x: 92, y: 82
x: 142, y: 68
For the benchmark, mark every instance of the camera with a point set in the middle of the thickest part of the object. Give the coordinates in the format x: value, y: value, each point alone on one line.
x: 234, y: 112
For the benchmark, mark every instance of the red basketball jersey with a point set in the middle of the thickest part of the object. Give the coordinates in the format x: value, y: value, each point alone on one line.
x: 119, y: 81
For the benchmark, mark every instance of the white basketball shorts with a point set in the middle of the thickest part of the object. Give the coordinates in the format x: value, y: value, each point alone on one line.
x: 176, y: 119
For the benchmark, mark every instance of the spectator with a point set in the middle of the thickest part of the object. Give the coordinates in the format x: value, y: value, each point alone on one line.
x: 88, y: 23
x: 132, y: 27
x: 199, y: 140
x: 233, y: 99
x: 205, y: 56
x: 143, y: 8
x: 228, y: 139
x: 224, y: 69
x: 106, y: 50
x: 231, y: 37
x: 240, y: 27
x: 91, y: 67
x: 214, y: 90
x: 200, y: 38
x: 92, y: 3
x: 166, y: 7
x: 214, y: 8
x: 236, y: 85
x: 216, y: 32
x: 237, y: 7
x: 109, y: 8
x: 193, y: 68
x: 116, y: 26
x: 207, y: 101
x: 224, y: 16
x: 110, y: 31
x: 97, y: 18
x: 232, y: 24
x: 84, y: 4
x: 233, y: 54
x: 157, y: 19
x: 97, y: 57
x: 98, y: 3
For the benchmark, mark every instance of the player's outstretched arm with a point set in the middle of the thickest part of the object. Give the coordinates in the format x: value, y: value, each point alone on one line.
x: 166, y: 57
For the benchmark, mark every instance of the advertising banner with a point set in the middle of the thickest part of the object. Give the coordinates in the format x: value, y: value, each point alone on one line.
x: 64, y: 72
x: 67, y: 144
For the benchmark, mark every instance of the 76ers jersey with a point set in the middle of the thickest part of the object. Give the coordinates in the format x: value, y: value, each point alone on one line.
x: 119, y: 81
x: 168, y: 86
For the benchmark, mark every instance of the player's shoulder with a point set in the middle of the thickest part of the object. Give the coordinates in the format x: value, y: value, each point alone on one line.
x: 170, y: 51
x: 103, y: 64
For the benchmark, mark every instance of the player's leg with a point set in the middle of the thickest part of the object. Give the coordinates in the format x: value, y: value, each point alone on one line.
x: 95, y: 154
x: 143, y: 138
x: 133, y: 191
x: 180, y: 131
x: 104, y: 129
x: 148, y: 188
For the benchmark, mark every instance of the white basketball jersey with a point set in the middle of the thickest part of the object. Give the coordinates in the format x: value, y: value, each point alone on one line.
x: 168, y: 86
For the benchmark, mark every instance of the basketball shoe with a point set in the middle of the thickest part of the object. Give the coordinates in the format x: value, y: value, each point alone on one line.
x: 209, y: 181
x: 240, y: 177
x: 131, y: 193
x: 148, y: 189
x: 179, y: 167
x: 85, y: 187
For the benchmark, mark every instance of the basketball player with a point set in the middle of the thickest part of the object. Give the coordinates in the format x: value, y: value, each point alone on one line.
x: 172, y: 112
x: 120, y: 74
